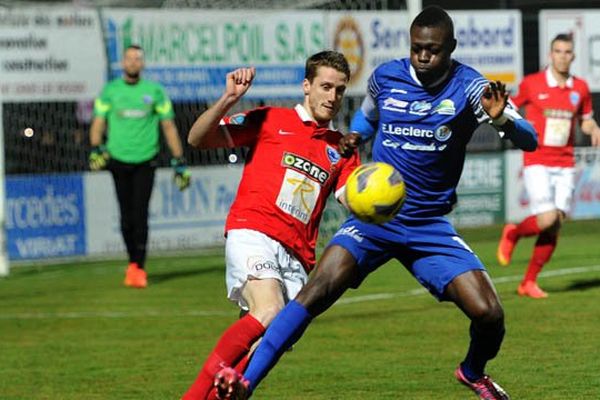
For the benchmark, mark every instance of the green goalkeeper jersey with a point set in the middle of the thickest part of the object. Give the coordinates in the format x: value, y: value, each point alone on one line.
x: 133, y: 112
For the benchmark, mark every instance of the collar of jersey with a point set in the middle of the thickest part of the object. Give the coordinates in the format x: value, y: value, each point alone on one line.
x: 305, y: 117
x: 413, y: 75
x: 552, y: 82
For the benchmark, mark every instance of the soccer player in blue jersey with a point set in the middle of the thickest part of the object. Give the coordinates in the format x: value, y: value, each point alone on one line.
x: 424, y: 109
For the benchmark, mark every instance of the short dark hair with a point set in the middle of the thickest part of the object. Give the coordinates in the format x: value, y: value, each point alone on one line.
x: 327, y: 58
x: 434, y: 16
x: 134, y: 47
x: 562, y: 37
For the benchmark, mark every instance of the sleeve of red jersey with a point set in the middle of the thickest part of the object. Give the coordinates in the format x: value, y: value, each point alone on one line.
x: 349, y: 166
x: 587, y: 110
x: 522, y: 96
x: 242, y: 129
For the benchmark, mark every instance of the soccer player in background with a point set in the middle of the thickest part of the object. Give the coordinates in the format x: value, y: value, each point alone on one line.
x: 425, y: 109
x: 555, y: 102
x: 132, y: 107
x: 294, y: 163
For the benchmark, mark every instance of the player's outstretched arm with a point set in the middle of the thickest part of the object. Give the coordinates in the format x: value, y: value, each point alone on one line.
x: 506, y: 119
x: 205, y: 132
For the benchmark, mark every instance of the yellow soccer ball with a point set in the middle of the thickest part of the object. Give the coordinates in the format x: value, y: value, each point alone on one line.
x: 375, y: 192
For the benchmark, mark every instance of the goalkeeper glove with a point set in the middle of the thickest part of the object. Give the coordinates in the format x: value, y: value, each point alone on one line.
x: 182, y: 176
x: 98, y: 158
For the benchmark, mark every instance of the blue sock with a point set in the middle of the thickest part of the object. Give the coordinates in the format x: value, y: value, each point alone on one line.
x: 284, y: 331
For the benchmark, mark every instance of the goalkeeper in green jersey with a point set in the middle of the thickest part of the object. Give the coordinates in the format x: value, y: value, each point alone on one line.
x: 132, y: 108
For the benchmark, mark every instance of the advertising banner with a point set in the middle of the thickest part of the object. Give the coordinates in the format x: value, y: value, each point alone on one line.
x: 50, y: 54
x: 480, y: 191
x: 191, y: 219
x: 45, y: 216
x: 489, y: 41
x: 191, y: 51
x: 586, y: 199
x: 583, y: 25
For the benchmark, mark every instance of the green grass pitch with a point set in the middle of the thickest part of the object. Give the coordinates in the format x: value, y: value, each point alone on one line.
x: 73, y: 331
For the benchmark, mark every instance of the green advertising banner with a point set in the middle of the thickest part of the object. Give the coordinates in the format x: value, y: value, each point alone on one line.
x: 191, y: 51
x: 480, y: 191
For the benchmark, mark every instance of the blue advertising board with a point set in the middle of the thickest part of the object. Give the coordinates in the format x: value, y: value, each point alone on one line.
x: 45, y: 216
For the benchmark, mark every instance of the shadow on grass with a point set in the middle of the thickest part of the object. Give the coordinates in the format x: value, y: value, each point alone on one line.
x: 581, y: 285
x: 159, y: 277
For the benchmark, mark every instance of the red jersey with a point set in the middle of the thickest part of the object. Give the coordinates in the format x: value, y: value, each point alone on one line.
x: 291, y: 169
x: 554, y: 112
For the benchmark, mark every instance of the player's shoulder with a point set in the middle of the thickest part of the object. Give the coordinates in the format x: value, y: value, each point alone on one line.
x: 468, y: 78
x: 580, y: 84
x: 535, y: 77
x: 395, y: 67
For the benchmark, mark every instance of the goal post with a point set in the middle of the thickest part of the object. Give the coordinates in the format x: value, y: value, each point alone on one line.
x: 4, y: 265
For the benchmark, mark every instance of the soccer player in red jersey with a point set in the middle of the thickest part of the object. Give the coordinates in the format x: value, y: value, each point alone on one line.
x: 296, y: 160
x: 554, y: 101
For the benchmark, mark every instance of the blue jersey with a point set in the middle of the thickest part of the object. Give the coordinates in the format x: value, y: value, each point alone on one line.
x: 423, y: 131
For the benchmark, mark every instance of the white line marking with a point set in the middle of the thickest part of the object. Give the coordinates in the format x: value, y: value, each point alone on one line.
x: 218, y: 313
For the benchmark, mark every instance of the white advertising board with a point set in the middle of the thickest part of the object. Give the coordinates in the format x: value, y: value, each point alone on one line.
x: 191, y: 219
x: 489, y: 41
x: 50, y: 54
x: 583, y: 26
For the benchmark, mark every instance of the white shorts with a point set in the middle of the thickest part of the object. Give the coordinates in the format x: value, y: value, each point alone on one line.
x: 549, y: 188
x: 250, y: 254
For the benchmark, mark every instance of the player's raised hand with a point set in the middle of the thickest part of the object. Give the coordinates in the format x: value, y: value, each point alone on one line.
x: 239, y: 81
x: 348, y: 143
x: 494, y: 99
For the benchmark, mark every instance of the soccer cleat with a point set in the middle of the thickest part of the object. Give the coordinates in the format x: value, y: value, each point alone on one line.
x: 231, y: 385
x: 135, y: 276
x: 484, y: 387
x: 531, y: 289
x: 506, y: 245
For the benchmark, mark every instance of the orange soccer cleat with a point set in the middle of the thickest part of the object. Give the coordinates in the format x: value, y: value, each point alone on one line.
x: 135, y: 276
x: 531, y: 289
x: 507, y: 244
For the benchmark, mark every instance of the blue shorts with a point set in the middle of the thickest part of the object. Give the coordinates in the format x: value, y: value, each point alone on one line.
x: 429, y: 248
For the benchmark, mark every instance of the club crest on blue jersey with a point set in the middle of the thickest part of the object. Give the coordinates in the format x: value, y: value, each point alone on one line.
x: 147, y: 99
x: 443, y: 133
x: 332, y: 154
x: 574, y: 97
x: 237, y: 119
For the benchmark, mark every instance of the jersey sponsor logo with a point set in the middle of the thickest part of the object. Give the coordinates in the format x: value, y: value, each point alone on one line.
x: 406, y: 131
x: 298, y: 195
x: 305, y: 166
x: 390, y: 143
x: 420, y: 107
x: 395, y: 105
x: 574, y: 97
x: 446, y: 107
x: 282, y: 132
x: 401, y: 91
x: 443, y: 133
x: 350, y: 231
x: 133, y: 113
x: 554, y: 113
x: 543, y: 96
x: 237, y: 119
x: 419, y: 147
x: 332, y: 154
